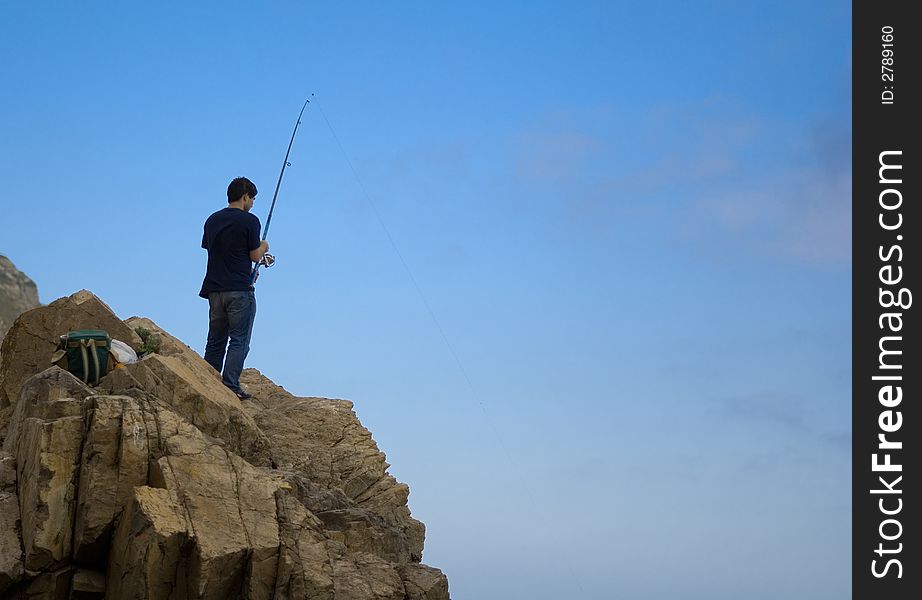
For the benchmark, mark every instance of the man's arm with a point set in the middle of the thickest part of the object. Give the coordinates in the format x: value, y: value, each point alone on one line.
x: 258, y: 248
x: 257, y: 254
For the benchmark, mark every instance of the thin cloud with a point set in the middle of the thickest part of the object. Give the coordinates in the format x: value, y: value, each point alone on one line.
x: 800, y: 215
x: 792, y: 413
x: 819, y: 230
x: 718, y: 178
x: 787, y: 411
x: 553, y: 157
x: 841, y: 440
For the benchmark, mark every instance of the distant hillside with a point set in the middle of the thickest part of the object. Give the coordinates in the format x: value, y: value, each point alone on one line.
x: 18, y: 294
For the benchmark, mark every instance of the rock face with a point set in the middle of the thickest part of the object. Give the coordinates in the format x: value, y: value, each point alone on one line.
x: 34, y: 335
x: 160, y: 484
x: 17, y: 294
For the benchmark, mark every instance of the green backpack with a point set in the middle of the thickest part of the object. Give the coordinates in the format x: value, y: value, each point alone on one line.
x: 85, y: 353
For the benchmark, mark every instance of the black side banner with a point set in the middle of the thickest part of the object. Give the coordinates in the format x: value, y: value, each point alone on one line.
x: 887, y: 380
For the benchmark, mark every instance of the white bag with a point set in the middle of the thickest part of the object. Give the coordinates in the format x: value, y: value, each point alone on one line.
x: 124, y: 353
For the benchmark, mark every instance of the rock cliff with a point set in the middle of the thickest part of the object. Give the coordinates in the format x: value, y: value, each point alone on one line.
x: 17, y: 294
x: 159, y: 483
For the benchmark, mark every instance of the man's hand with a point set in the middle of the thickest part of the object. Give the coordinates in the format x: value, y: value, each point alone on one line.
x: 257, y: 254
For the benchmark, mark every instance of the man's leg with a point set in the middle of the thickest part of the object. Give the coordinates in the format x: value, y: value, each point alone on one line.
x: 241, y: 312
x: 217, y: 331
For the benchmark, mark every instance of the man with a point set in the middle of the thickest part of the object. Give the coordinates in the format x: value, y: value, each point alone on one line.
x: 232, y: 240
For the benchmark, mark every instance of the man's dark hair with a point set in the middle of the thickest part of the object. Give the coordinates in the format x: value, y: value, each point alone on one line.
x: 238, y: 187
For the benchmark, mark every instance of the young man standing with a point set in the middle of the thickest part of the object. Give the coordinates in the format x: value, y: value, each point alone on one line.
x: 232, y: 240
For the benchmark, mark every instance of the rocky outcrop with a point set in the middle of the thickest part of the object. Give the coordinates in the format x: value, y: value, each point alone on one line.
x: 322, y: 447
x: 34, y: 335
x: 11, y: 567
x: 159, y: 483
x: 18, y: 294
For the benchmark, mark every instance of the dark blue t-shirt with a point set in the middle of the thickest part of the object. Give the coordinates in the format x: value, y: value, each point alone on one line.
x: 230, y: 235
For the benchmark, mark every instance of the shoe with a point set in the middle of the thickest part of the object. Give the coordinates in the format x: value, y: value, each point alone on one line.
x: 241, y: 394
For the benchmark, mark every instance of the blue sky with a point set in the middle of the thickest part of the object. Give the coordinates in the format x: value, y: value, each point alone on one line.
x: 630, y: 222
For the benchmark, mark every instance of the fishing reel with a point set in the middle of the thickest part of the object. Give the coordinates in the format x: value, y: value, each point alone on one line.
x: 267, y: 260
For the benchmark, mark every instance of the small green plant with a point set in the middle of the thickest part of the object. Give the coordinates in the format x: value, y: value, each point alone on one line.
x: 150, y: 341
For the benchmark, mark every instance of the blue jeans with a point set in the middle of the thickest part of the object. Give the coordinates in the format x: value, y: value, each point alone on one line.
x: 231, y: 315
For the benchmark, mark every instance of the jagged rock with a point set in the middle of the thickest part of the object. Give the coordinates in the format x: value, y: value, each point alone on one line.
x: 323, y: 440
x: 53, y: 585
x: 33, y: 337
x: 45, y: 432
x: 48, y: 458
x: 114, y: 461
x: 217, y: 515
x: 88, y: 585
x: 173, y: 488
x: 364, y: 576
x: 314, y: 567
x: 209, y: 405
x: 231, y: 506
x: 51, y: 384
x: 11, y: 568
x: 6, y: 414
x: 315, y: 497
x: 151, y: 549
x: 18, y: 294
x: 305, y: 570
x: 194, y: 390
x: 169, y: 345
x: 423, y: 582
x: 363, y: 531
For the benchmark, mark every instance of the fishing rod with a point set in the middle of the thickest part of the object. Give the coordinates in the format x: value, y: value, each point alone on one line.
x: 268, y: 259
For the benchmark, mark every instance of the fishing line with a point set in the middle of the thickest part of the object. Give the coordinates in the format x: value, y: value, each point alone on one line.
x: 431, y: 312
x: 399, y: 254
